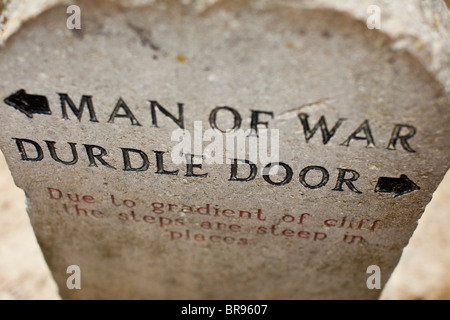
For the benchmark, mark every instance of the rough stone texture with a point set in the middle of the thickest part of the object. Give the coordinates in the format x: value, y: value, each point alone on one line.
x: 237, y: 61
x: 421, y: 28
x: 25, y: 275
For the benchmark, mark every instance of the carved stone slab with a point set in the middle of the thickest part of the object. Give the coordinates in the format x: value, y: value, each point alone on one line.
x: 89, y: 116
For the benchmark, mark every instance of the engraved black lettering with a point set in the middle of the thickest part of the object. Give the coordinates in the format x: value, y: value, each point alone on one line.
x: 396, y: 135
x: 348, y: 181
x: 190, y: 167
x: 92, y: 157
x: 85, y: 101
x: 322, y: 124
x: 288, y: 176
x: 234, y: 171
x: 365, y: 127
x: 179, y: 122
x: 213, y: 119
x: 52, y: 150
x: 255, y: 122
x: 127, y: 162
x: 367, y: 135
x: 323, y: 181
x: 23, y: 153
x: 128, y: 114
x: 160, y: 164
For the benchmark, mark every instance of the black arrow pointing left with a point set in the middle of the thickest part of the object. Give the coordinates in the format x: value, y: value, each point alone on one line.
x: 28, y: 103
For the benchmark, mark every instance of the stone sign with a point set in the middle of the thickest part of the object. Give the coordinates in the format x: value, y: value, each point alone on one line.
x: 227, y: 150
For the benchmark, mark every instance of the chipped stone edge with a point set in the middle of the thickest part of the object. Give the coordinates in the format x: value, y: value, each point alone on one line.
x: 14, y: 13
x: 425, y: 33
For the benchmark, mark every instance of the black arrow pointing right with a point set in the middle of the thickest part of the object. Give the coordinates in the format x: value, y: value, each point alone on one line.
x: 28, y: 103
x: 397, y: 186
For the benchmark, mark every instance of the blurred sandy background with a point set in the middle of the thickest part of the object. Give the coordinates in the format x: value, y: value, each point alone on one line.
x: 23, y: 271
x: 421, y: 274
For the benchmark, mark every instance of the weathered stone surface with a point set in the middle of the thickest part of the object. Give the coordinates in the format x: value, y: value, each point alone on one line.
x: 303, y: 59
